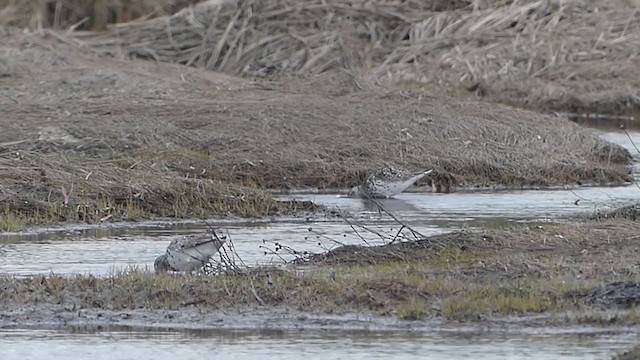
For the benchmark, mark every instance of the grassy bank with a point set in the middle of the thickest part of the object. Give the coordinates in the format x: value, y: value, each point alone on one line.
x: 100, y: 138
x: 88, y: 137
x: 581, y: 268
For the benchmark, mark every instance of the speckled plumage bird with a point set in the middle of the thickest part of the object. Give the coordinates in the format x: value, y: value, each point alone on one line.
x: 188, y: 253
x: 386, y: 183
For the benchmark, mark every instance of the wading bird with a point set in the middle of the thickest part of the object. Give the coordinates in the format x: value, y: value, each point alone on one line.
x: 189, y: 253
x: 386, y: 183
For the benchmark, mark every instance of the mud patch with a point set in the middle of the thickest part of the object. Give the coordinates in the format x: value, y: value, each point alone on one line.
x: 614, y: 295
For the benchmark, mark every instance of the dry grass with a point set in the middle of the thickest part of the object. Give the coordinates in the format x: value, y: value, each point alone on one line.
x: 466, y: 275
x: 83, y: 14
x: 629, y: 212
x: 561, y: 55
x: 630, y: 354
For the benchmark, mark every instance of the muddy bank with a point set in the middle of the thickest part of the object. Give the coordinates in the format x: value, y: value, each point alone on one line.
x: 47, y: 316
x: 548, y: 275
x: 89, y: 138
x: 193, y: 318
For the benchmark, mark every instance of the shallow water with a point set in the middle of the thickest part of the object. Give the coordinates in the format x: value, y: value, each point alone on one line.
x: 138, y: 345
x: 101, y: 250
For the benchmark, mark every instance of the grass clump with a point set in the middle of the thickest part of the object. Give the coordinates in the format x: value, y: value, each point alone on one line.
x: 63, y: 192
x: 9, y: 221
x: 383, y: 292
x: 503, y: 299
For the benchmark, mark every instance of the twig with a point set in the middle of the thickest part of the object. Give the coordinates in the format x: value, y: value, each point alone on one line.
x: 638, y: 150
x: 342, y: 214
x: 272, y: 252
x: 255, y: 294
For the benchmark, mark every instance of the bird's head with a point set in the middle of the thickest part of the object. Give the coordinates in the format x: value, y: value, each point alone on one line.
x: 161, y: 265
x: 354, y: 192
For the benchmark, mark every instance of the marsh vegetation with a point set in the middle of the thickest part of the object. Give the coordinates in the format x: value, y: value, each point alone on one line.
x: 208, y: 111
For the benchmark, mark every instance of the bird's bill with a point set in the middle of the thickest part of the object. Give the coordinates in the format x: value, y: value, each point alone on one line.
x: 206, y: 240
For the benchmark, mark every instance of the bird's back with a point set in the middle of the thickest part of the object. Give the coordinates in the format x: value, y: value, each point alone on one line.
x: 390, y: 182
x: 192, y: 252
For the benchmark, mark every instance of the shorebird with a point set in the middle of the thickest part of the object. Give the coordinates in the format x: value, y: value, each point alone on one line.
x: 386, y: 183
x: 188, y: 253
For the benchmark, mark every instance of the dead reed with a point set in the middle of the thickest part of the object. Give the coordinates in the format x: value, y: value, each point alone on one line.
x: 83, y: 14
x: 562, y: 55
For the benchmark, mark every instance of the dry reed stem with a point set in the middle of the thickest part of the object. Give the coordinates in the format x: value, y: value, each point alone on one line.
x: 569, y: 55
x: 83, y: 14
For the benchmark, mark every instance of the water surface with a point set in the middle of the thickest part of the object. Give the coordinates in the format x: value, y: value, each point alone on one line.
x: 22, y: 344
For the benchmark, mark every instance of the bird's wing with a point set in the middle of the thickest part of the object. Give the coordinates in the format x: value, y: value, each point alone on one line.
x: 204, y: 250
x: 205, y: 245
x: 201, y: 247
x: 193, y: 251
x: 387, y: 188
